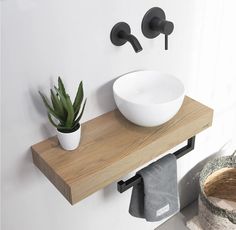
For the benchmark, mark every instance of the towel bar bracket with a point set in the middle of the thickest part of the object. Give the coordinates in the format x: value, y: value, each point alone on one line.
x: 122, y: 186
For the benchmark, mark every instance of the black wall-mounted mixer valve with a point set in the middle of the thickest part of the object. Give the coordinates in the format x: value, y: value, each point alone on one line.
x: 154, y: 23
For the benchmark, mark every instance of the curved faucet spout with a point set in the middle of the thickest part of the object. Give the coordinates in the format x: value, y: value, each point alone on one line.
x: 132, y: 40
x: 121, y: 33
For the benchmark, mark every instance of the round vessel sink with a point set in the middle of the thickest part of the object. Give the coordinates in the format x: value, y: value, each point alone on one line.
x: 148, y: 98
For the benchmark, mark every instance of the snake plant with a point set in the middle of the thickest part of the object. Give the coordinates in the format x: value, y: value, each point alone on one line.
x: 68, y: 115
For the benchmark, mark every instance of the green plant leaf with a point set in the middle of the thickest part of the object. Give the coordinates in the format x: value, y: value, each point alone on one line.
x: 52, y: 122
x: 67, y: 104
x: 70, y: 110
x: 57, y: 105
x: 81, y: 114
x: 62, y: 98
x: 56, y: 125
x: 61, y: 87
x: 78, y: 99
x: 76, y: 126
x: 48, y: 106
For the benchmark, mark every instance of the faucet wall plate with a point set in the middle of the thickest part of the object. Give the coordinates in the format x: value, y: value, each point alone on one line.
x: 154, y: 22
x: 151, y: 14
x: 115, y: 38
x: 121, y: 33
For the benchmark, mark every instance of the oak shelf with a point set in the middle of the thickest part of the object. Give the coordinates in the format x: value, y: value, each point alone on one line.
x: 111, y: 147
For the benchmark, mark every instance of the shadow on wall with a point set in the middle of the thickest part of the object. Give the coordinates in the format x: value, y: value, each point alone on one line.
x: 24, y: 174
x: 46, y: 128
x: 104, y: 94
x: 190, y: 182
x: 26, y: 169
x: 37, y: 101
x: 110, y: 191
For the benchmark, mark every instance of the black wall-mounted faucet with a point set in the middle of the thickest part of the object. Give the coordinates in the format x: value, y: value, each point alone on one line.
x: 121, y: 33
x: 154, y: 22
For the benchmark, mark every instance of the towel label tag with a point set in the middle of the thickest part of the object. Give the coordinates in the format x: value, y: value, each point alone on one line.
x: 163, y: 210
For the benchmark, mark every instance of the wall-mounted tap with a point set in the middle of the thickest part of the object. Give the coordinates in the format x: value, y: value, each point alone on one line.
x: 121, y: 33
x: 154, y: 22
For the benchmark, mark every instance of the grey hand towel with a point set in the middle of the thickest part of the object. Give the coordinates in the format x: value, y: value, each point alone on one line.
x: 157, y: 197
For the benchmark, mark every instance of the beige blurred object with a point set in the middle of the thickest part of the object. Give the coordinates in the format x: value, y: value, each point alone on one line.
x: 216, y: 203
x: 221, y: 184
x: 217, y: 198
x: 223, y: 203
x: 194, y: 224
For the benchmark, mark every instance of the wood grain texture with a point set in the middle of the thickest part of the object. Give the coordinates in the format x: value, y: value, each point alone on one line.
x: 111, y: 147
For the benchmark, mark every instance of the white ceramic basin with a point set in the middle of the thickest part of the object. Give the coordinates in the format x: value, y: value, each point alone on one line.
x: 148, y: 98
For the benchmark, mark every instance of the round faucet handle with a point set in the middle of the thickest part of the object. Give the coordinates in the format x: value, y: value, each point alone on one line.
x: 162, y: 26
x: 166, y: 27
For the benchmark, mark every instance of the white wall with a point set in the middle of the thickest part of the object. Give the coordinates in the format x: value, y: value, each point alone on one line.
x: 47, y: 38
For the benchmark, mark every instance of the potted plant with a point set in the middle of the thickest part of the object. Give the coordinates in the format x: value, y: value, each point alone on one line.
x: 68, y: 115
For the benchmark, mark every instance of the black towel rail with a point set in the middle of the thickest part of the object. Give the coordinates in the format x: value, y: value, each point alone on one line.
x: 122, y: 186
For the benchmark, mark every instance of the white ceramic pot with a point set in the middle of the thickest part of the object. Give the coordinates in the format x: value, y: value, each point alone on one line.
x: 69, y: 141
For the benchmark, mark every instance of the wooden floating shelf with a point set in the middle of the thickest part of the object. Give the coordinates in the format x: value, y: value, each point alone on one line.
x: 111, y: 147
